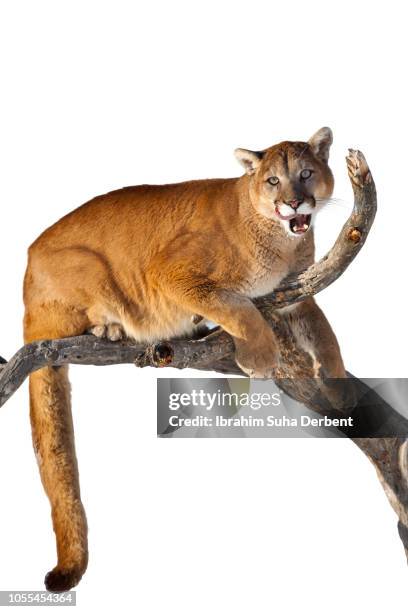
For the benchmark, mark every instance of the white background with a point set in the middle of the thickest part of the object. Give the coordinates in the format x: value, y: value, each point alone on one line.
x: 97, y: 95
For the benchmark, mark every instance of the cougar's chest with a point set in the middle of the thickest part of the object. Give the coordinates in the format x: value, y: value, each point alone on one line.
x: 263, y: 277
x: 263, y: 282
x: 265, y: 273
x: 271, y: 265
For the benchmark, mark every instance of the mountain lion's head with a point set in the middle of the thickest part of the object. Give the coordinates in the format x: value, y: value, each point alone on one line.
x: 290, y: 181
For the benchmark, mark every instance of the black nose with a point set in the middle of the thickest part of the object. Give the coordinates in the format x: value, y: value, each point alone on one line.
x: 295, y: 202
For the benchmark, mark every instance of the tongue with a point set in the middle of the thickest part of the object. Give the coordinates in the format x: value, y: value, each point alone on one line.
x: 299, y: 224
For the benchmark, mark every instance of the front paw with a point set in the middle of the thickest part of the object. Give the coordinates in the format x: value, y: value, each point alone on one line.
x: 256, y: 359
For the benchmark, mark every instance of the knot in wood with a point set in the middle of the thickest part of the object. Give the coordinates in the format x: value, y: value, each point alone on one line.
x: 162, y: 354
x: 354, y: 234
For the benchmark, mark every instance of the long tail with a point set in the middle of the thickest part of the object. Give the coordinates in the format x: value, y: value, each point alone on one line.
x: 53, y: 439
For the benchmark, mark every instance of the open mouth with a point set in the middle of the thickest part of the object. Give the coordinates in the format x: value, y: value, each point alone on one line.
x: 300, y: 224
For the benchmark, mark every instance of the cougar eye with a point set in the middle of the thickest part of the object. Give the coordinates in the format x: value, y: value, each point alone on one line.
x: 273, y: 180
x: 305, y: 174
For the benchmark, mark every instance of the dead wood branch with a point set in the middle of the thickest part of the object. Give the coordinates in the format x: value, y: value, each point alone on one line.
x: 216, y: 351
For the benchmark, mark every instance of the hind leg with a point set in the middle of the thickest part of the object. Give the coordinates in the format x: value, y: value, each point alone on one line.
x: 112, y: 331
x: 53, y: 440
x: 315, y: 336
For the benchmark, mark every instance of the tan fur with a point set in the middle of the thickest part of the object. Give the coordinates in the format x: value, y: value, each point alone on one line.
x: 146, y: 259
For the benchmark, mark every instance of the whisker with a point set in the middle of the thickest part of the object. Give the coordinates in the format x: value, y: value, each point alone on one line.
x: 331, y: 199
x: 335, y: 202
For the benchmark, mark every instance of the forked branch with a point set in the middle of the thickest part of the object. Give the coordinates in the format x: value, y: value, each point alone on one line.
x: 216, y: 350
x: 211, y: 352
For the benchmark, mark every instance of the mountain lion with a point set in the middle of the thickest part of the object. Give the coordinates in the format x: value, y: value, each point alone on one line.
x: 142, y: 261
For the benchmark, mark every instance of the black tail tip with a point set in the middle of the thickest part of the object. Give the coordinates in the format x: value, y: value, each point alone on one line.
x: 2, y: 361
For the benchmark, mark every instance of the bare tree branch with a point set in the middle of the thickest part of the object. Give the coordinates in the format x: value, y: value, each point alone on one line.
x: 216, y: 350
x: 206, y: 353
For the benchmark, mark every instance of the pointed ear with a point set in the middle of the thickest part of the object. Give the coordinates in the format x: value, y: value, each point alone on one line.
x: 321, y: 142
x: 250, y: 160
